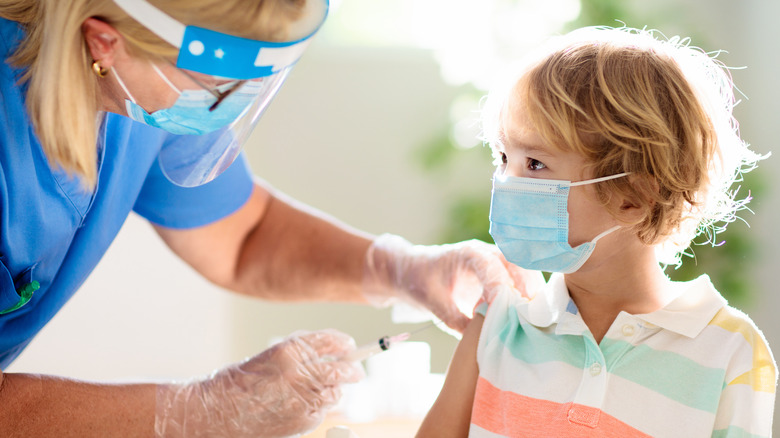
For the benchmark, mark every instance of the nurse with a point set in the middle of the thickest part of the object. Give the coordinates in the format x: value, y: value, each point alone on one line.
x: 113, y: 106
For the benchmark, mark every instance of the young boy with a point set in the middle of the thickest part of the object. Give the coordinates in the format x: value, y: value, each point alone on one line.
x: 614, y: 149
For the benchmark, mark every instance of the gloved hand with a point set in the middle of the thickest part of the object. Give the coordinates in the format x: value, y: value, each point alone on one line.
x: 448, y: 279
x: 284, y: 391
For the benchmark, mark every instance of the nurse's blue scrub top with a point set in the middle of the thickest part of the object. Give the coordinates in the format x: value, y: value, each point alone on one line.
x: 54, y: 233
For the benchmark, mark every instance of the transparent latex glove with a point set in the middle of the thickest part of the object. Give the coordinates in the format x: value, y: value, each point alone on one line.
x: 284, y: 391
x: 448, y: 279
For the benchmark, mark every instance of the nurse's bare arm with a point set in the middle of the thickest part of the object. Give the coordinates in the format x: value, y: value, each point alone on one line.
x: 450, y: 415
x: 276, y: 248
x: 44, y: 406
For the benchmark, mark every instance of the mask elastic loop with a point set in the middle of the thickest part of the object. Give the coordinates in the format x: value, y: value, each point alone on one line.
x: 596, y: 239
x: 165, y: 78
x: 122, y: 84
x: 598, y: 180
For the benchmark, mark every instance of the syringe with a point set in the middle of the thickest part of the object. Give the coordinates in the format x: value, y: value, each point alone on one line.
x: 366, y: 351
x: 383, y: 344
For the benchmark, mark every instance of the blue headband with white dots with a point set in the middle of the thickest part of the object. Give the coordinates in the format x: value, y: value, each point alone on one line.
x: 228, y: 56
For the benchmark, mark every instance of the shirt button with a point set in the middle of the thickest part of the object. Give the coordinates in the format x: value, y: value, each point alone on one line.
x: 628, y: 330
x: 595, y: 369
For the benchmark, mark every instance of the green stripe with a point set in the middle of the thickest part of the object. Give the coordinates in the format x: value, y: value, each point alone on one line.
x: 734, y: 432
x: 530, y: 344
x: 670, y: 374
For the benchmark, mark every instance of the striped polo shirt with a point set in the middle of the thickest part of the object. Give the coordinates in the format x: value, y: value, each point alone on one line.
x: 695, y: 368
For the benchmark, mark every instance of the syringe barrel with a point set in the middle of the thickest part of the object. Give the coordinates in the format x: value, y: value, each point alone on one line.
x: 362, y: 353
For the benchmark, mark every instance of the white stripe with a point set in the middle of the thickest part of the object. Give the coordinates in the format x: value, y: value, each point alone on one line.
x: 165, y: 26
x: 653, y: 413
x: 281, y: 57
x: 553, y: 381
x: 742, y: 407
x: 478, y: 432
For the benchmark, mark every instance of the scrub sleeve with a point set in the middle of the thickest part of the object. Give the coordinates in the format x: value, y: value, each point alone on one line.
x: 54, y: 231
x: 172, y: 206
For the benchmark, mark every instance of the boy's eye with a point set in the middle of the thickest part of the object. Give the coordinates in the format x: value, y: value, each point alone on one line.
x: 503, y: 158
x: 535, y: 164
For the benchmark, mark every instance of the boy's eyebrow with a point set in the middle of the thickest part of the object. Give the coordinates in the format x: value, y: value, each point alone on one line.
x: 528, y: 148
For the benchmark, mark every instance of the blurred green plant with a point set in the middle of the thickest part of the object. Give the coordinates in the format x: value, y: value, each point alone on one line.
x: 728, y: 258
x: 728, y: 262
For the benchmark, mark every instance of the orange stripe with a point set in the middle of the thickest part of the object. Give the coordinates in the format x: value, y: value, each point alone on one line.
x: 513, y: 415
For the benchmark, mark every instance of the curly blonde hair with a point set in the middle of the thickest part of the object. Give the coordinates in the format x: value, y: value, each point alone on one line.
x: 62, y: 96
x: 629, y: 100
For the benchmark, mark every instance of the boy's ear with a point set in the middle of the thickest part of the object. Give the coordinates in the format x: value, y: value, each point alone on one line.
x: 632, y: 209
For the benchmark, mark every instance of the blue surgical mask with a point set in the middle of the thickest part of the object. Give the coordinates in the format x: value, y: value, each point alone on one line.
x: 529, y: 222
x: 190, y: 113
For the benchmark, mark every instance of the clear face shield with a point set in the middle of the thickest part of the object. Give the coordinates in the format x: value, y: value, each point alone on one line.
x: 213, y: 123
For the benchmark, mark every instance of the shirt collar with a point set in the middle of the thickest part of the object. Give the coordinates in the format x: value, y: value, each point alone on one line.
x: 549, y: 306
x: 692, y: 310
x: 688, y: 314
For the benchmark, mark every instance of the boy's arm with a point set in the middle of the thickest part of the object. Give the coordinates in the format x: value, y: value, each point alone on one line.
x: 450, y: 415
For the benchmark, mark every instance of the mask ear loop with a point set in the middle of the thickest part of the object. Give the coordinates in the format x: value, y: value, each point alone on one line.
x: 165, y: 78
x: 596, y: 239
x: 122, y: 84
x: 598, y: 180
x: 156, y: 69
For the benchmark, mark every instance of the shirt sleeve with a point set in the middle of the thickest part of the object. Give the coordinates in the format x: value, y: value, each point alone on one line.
x: 747, y: 400
x: 481, y: 307
x: 169, y: 205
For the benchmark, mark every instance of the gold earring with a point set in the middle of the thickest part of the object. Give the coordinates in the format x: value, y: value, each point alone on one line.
x: 99, y: 70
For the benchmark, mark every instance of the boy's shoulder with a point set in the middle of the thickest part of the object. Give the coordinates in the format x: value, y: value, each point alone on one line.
x: 702, y: 299
x: 752, y: 362
x: 732, y: 322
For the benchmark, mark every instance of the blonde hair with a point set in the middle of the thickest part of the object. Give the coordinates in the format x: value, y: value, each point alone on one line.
x: 63, y: 93
x: 630, y: 101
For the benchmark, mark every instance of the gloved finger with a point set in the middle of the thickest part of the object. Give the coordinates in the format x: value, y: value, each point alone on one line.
x: 316, y: 399
x: 330, y: 397
x: 317, y: 402
x: 315, y: 415
x: 446, y: 309
x: 286, y: 355
x: 328, y: 342
x: 337, y: 372
x: 457, y: 321
x: 523, y: 280
x: 494, y: 276
x: 526, y: 282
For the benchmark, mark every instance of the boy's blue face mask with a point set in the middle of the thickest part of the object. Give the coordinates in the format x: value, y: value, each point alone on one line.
x: 529, y: 222
x: 191, y: 114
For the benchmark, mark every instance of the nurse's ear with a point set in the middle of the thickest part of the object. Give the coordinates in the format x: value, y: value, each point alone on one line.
x: 104, y: 42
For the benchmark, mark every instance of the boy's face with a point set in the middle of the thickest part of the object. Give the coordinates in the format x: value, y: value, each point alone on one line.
x: 525, y: 154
